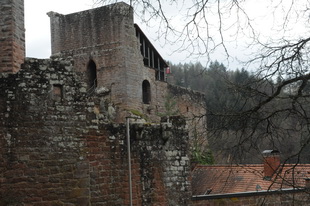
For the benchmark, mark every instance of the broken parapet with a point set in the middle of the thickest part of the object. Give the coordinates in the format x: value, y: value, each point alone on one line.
x: 58, y: 145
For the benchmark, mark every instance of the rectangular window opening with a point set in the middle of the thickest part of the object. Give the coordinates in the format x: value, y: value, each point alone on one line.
x: 57, y: 92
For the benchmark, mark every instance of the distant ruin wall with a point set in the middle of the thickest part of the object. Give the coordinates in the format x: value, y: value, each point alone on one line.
x: 12, y: 35
x: 58, y: 145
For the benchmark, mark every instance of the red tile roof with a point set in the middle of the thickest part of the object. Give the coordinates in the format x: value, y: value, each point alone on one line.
x: 224, y: 179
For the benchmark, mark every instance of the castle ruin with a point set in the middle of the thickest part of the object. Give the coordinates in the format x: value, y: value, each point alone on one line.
x: 62, y: 129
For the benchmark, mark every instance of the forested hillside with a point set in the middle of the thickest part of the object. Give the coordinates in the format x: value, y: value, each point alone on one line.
x: 237, y: 128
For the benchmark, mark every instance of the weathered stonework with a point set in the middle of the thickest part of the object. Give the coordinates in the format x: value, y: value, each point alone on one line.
x: 62, y: 131
x: 107, y: 36
x: 66, y: 151
x: 12, y: 35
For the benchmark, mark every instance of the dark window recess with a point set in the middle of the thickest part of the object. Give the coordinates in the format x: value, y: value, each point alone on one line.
x: 91, y: 76
x: 151, y: 58
x: 57, y: 93
x: 162, y: 73
x: 146, y: 92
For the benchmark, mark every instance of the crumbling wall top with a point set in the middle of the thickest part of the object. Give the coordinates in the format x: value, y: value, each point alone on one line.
x: 89, y: 28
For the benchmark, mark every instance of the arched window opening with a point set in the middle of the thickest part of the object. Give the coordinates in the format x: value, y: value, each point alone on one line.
x: 91, y: 75
x: 146, y: 92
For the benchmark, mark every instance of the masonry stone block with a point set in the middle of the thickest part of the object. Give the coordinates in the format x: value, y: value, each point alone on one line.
x: 62, y: 142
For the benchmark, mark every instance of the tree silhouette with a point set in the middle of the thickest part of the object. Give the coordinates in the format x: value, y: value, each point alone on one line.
x: 262, y: 114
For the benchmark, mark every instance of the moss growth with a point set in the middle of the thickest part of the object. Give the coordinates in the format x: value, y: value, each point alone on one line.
x: 137, y: 113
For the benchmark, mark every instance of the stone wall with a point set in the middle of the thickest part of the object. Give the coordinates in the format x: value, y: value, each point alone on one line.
x: 90, y: 28
x: 62, y: 143
x: 191, y: 105
x: 58, y: 146
x: 107, y: 36
x: 12, y: 35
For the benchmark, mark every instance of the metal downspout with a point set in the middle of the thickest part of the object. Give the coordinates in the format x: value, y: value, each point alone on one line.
x: 129, y: 159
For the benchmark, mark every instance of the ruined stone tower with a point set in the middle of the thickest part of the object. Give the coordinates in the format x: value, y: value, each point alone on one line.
x: 104, y: 45
x: 12, y: 35
x: 62, y: 137
x: 118, y: 58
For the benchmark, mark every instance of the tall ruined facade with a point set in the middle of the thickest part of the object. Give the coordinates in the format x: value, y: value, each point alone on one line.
x: 117, y: 58
x: 62, y: 120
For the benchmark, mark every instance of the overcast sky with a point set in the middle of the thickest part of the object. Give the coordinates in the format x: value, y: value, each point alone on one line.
x: 38, y: 28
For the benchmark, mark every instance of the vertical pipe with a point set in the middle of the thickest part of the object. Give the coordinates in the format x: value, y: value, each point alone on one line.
x: 129, y: 159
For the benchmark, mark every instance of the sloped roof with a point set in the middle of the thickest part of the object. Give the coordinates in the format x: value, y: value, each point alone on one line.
x: 225, y: 179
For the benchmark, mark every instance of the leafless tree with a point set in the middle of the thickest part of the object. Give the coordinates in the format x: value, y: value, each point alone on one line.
x: 280, y: 114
